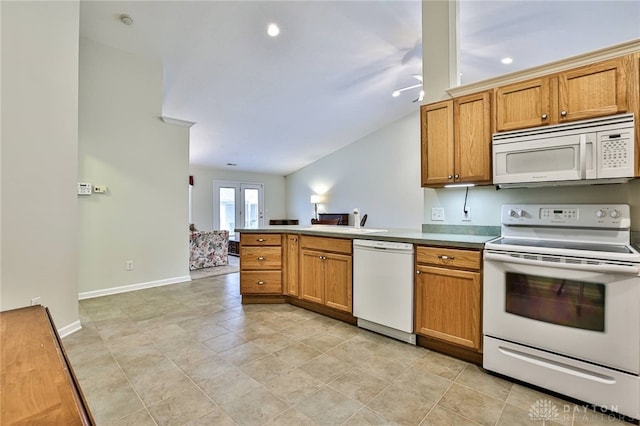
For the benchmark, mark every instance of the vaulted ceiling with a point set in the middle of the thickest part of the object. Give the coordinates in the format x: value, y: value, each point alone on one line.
x: 276, y: 104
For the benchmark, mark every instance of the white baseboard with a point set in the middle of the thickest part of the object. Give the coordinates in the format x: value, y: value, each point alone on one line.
x: 132, y: 287
x: 69, y: 329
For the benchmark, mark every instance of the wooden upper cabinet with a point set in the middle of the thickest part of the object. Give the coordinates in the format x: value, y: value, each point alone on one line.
x: 456, y: 141
x: 589, y: 91
x: 472, y: 146
x: 521, y: 105
x: 437, y: 153
x: 593, y: 91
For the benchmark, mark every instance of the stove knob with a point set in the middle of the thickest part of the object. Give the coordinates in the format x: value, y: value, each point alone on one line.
x: 601, y: 213
x: 614, y: 213
x: 512, y: 213
x: 520, y: 213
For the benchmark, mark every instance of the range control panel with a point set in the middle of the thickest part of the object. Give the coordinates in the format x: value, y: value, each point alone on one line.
x: 573, y: 215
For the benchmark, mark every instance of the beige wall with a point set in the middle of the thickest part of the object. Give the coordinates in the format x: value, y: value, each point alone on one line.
x: 378, y: 174
x: 39, y: 228
x: 202, y: 193
x: 144, y: 164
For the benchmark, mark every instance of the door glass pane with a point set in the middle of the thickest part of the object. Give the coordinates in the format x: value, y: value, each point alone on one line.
x: 554, y: 300
x: 228, y: 209
x: 251, y: 210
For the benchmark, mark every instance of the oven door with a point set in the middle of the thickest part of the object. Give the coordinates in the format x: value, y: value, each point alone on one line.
x: 586, y: 312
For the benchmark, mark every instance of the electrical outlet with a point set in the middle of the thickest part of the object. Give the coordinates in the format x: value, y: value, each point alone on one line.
x: 466, y: 216
x: 100, y: 189
x: 129, y: 265
x: 437, y: 213
x: 35, y: 301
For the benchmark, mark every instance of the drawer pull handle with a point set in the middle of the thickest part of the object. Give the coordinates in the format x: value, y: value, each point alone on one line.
x: 260, y: 240
x: 445, y: 257
x: 323, y: 257
x: 260, y: 258
x: 260, y: 282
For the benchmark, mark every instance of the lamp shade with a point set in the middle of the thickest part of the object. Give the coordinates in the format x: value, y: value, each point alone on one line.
x: 315, y: 199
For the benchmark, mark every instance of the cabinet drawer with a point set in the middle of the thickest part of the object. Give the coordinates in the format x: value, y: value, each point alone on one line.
x: 260, y: 258
x: 453, y: 258
x: 260, y: 239
x: 337, y: 245
x: 261, y: 282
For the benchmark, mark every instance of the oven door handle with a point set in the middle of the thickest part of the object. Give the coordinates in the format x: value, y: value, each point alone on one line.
x: 612, y: 269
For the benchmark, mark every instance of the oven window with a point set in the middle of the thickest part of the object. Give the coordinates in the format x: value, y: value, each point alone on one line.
x: 564, y: 302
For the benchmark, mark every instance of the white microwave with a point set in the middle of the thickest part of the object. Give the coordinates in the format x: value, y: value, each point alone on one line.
x: 594, y: 151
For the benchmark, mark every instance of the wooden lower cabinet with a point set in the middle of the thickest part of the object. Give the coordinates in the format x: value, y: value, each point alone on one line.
x: 325, y: 276
x: 260, y: 264
x: 448, y: 299
x: 291, y: 265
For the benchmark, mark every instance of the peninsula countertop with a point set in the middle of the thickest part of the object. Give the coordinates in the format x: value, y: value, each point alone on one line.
x: 413, y: 236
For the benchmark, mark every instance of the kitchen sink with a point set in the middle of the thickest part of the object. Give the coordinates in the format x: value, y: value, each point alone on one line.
x: 342, y: 229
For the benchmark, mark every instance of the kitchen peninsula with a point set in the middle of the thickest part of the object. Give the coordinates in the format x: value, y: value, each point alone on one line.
x: 312, y: 267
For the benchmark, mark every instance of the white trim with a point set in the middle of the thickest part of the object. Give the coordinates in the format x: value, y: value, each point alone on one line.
x: 132, y: 287
x: 454, y: 43
x: 69, y: 329
x: 176, y: 122
x: 611, y: 52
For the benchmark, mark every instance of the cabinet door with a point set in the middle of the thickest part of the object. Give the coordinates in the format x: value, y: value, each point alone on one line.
x: 448, y: 305
x: 593, y: 91
x: 437, y: 153
x: 312, y: 276
x: 338, y: 282
x: 472, y: 130
x: 522, y: 105
x: 290, y: 267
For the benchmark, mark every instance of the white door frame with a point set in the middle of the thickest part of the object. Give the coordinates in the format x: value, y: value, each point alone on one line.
x: 239, y: 199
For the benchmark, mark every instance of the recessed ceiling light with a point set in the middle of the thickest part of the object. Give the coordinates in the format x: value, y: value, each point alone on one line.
x: 273, y: 30
x: 506, y: 60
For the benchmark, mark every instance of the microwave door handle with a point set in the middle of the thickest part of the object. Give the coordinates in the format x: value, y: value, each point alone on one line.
x: 583, y: 156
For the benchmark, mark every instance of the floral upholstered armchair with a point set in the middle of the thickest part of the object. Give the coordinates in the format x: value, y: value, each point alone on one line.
x: 208, y: 248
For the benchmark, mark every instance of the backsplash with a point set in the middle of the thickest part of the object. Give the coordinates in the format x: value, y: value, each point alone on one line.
x: 460, y: 229
x: 484, y: 203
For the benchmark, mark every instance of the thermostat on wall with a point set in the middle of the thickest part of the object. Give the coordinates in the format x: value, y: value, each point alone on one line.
x: 84, y: 188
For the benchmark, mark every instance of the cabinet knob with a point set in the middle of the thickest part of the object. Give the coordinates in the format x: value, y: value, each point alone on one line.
x: 456, y: 176
x: 260, y: 258
x: 544, y: 116
x: 445, y: 257
x: 260, y: 282
x: 563, y: 113
x: 418, y: 272
x: 449, y: 177
x: 260, y: 240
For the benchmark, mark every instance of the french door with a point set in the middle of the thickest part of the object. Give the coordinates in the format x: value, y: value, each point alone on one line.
x: 237, y: 205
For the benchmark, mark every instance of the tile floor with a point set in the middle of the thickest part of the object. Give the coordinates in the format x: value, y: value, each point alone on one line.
x: 191, y: 354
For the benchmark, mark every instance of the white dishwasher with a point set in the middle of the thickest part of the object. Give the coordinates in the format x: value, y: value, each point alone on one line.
x: 383, y: 288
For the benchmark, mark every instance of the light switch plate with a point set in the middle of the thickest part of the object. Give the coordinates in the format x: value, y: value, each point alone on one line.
x: 437, y: 213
